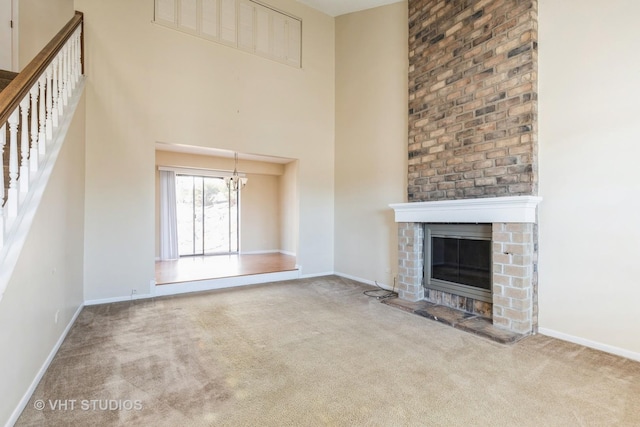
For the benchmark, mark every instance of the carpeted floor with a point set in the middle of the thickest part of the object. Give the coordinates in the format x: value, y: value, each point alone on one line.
x: 316, y: 352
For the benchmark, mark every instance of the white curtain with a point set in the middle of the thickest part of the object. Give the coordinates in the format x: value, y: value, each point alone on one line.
x: 168, y: 216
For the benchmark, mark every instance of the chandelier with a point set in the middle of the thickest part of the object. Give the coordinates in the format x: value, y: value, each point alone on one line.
x: 236, y: 182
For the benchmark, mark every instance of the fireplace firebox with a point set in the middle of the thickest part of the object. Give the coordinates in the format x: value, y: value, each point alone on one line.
x: 457, y: 259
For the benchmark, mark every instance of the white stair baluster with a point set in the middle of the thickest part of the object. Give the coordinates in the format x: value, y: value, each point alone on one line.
x: 3, y: 142
x: 76, y: 58
x: 79, y: 52
x: 54, y: 95
x: 70, y: 83
x: 42, y: 116
x: 48, y: 127
x: 24, y: 147
x: 72, y: 61
x: 69, y: 69
x: 65, y: 74
x: 12, y: 196
x: 33, y: 153
x: 60, y: 59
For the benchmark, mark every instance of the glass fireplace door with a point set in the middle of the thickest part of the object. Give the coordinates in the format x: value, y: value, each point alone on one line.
x: 457, y: 259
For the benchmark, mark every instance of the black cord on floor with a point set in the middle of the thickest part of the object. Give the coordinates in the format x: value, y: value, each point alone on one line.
x: 382, y: 293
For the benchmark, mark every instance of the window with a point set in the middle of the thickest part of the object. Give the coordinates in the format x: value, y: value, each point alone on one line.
x: 243, y: 24
x: 207, y: 216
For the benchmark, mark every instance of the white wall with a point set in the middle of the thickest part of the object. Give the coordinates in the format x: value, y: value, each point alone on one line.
x: 48, y: 276
x: 39, y: 21
x: 589, y: 149
x: 289, y: 209
x: 260, y: 214
x: 119, y: 219
x: 371, y: 139
x: 148, y: 83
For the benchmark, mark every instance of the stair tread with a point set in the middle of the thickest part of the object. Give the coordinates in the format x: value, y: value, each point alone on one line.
x: 6, y: 77
x: 10, y: 75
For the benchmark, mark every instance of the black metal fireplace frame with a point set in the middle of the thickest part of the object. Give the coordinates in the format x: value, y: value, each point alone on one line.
x: 459, y: 231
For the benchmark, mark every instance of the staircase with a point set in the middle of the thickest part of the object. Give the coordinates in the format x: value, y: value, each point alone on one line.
x: 42, y: 139
x: 36, y: 106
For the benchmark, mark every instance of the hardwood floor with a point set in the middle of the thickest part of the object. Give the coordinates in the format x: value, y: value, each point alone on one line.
x: 189, y: 269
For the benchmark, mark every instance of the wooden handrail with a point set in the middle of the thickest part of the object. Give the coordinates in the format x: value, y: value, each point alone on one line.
x: 11, y: 96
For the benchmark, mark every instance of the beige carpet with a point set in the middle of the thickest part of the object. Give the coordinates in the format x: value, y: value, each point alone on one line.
x: 317, y: 352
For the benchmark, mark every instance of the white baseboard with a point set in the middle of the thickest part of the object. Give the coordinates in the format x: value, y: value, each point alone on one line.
x: 591, y: 344
x: 311, y: 276
x: 117, y: 299
x: 270, y: 251
x: 34, y: 384
x: 224, y: 283
x: 365, y: 281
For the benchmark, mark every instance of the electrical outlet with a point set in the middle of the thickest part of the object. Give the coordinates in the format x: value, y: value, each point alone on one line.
x: 55, y: 318
x: 134, y: 292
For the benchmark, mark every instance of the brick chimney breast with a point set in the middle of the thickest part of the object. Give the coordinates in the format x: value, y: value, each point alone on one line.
x: 472, y: 99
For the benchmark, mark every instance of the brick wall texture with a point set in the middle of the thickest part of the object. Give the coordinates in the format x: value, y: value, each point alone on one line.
x: 513, y: 252
x: 472, y: 98
x: 410, y: 261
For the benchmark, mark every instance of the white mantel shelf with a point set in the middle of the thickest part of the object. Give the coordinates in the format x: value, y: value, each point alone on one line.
x: 521, y: 209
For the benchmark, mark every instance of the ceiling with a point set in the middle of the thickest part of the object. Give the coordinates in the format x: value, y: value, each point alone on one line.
x: 340, y: 7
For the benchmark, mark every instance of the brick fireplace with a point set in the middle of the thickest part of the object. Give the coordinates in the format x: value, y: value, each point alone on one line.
x: 473, y: 146
x: 514, y: 260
